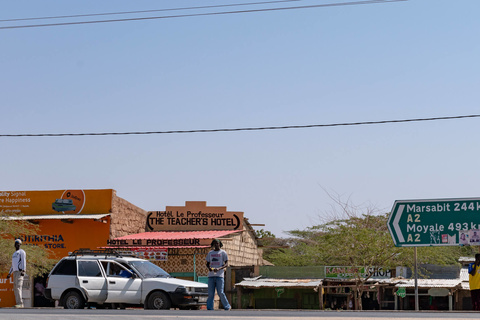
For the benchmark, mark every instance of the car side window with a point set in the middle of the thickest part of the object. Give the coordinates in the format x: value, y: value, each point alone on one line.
x: 89, y: 269
x: 114, y: 269
x: 66, y: 267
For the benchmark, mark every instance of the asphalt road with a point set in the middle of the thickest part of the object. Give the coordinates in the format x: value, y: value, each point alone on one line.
x: 140, y: 314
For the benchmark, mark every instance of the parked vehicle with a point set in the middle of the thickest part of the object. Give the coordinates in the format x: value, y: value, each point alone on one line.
x: 108, y: 279
x: 61, y: 205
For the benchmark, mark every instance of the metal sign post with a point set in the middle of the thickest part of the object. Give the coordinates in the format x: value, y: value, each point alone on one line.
x: 417, y: 307
x: 435, y: 222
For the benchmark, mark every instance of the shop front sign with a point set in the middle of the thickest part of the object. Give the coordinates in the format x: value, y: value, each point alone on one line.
x: 438, y: 292
x: 339, y: 272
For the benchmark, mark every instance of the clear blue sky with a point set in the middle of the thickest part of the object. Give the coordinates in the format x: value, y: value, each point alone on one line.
x: 412, y: 59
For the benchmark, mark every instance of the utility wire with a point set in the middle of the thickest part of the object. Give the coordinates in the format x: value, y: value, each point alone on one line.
x: 147, y: 11
x: 202, y: 14
x: 238, y: 129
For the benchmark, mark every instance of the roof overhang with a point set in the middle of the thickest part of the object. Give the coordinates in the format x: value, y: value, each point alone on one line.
x: 170, y: 239
x: 59, y: 217
x: 276, y: 283
x: 431, y: 283
x: 174, y: 235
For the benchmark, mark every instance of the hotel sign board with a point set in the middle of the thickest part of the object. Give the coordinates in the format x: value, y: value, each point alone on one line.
x: 194, y: 216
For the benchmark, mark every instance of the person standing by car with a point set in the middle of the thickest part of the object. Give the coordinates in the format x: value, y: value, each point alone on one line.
x: 19, y: 265
x: 217, y: 261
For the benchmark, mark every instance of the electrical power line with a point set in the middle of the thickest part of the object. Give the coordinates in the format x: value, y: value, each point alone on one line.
x: 203, y: 14
x: 147, y: 11
x: 237, y: 129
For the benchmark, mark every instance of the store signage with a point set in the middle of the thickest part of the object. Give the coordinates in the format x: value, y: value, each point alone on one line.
x: 438, y: 292
x: 195, y: 215
x: 440, y: 222
x: 401, y: 292
x: 56, y: 202
x: 339, y: 272
x: 7, y: 297
x: 63, y: 237
x: 159, y: 242
x: 280, y: 291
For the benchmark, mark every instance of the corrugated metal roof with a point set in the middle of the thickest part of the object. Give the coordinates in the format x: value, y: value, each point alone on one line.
x: 430, y: 283
x: 466, y: 259
x: 459, y: 283
x: 275, y: 283
x: 464, y: 277
x: 465, y: 286
x: 59, y: 217
x: 464, y: 274
x: 311, y: 283
x: 173, y: 235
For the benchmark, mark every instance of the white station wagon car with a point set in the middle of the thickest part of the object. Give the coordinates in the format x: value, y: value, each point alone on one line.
x: 108, y: 279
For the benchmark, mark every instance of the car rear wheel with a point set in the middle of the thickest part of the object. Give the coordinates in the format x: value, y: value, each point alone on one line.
x: 158, y: 300
x: 73, y: 300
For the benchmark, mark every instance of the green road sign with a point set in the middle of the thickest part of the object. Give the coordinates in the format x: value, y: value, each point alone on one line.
x: 437, y: 222
x: 401, y: 292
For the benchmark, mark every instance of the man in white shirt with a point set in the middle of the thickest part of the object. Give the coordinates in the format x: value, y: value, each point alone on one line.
x: 217, y: 261
x: 19, y: 265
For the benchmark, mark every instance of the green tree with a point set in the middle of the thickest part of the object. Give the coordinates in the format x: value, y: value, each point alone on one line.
x: 270, y: 244
x: 301, y: 249
x: 364, y: 241
x: 38, y: 262
x: 357, y: 237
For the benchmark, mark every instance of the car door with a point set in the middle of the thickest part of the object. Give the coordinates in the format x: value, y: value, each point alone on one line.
x: 123, y: 286
x: 92, y: 280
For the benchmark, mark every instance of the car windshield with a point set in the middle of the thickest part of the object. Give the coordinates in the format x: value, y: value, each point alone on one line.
x: 149, y: 270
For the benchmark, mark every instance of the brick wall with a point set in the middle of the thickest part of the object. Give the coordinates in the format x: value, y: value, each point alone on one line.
x: 242, y: 249
x: 126, y: 218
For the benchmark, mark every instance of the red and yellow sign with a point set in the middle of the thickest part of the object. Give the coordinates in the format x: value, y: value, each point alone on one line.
x: 195, y: 215
x: 56, y: 202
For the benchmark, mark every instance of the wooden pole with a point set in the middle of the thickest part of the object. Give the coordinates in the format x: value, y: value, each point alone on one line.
x: 320, y: 296
x: 239, y: 297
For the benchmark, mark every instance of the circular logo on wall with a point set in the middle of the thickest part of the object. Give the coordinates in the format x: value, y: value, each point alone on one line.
x: 73, y: 201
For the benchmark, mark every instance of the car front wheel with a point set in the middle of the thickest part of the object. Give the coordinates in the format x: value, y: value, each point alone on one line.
x: 158, y: 300
x: 73, y: 300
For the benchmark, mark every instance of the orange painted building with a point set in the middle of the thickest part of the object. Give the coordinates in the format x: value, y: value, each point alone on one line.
x: 67, y: 221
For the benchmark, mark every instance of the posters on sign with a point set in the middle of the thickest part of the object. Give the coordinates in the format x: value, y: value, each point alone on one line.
x: 446, y: 238
x: 469, y: 237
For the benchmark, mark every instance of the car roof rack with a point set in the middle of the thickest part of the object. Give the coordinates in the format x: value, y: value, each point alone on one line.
x: 101, y: 252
